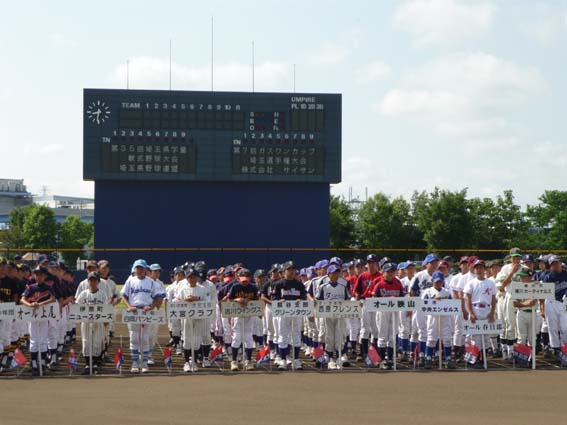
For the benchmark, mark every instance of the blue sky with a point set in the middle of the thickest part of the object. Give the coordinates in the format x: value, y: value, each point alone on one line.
x: 451, y: 93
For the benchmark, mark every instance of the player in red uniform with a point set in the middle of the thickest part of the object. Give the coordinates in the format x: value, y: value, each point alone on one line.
x: 368, y: 321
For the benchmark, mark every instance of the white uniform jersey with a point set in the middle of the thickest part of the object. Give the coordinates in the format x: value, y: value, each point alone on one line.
x: 316, y: 284
x: 88, y: 297
x: 191, y: 291
x: 503, y: 273
x: 103, y: 285
x: 142, y: 292
x: 448, y: 280
x: 171, y: 290
x: 406, y: 281
x: 325, y: 279
x: 329, y: 291
x: 481, y: 291
x: 211, y: 291
x: 458, y: 283
x: 432, y: 293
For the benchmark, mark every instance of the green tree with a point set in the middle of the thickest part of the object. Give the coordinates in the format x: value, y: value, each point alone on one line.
x: 39, y: 227
x: 498, y: 224
x: 74, y: 233
x: 13, y: 237
x: 342, y: 228
x: 549, y: 221
x: 387, y: 223
x: 444, y: 218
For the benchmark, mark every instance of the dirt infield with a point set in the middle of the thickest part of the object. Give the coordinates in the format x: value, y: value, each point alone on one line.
x: 387, y: 398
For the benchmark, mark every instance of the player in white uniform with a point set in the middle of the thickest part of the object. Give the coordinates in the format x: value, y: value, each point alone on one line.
x: 406, y: 272
x: 456, y: 289
x: 335, y: 333
x: 524, y: 314
x: 420, y: 282
x: 480, y: 296
x: 155, y: 273
x: 210, y: 296
x: 192, y: 328
x: 507, y: 311
x: 438, y: 292
x: 174, y: 325
x: 141, y: 292
x: 96, y: 337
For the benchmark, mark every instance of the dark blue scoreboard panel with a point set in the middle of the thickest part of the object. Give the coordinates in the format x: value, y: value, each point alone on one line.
x: 157, y: 135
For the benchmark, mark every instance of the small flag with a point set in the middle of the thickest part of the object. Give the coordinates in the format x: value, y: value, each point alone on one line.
x: 472, y: 353
x: 118, y: 358
x: 318, y: 352
x: 216, y: 354
x: 372, y: 358
x: 167, y: 360
x: 563, y: 355
x: 18, y: 360
x: 72, y: 362
x: 523, y: 354
x: 263, y: 356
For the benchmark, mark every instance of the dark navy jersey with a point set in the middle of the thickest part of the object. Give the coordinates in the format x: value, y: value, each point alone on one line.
x: 268, y: 289
x: 238, y: 290
x: 289, y: 290
x: 224, y: 290
x: 8, y: 290
x: 560, y: 281
x: 38, y: 292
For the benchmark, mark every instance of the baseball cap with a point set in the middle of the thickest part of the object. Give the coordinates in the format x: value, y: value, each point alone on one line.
x: 211, y: 272
x: 302, y: 272
x: 472, y: 259
x: 525, y: 272
x: 228, y: 272
x: 191, y: 272
x: 42, y: 270
x: 358, y: 262
x: 289, y: 265
x: 443, y: 263
x: 478, y: 262
x: 384, y: 261
x: 464, y: 259
x: 403, y: 265
x: 321, y: 264
x: 528, y: 258
x: 389, y: 266
x: 350, y: 265
x: 429, y: 258
x: 372, y: 258
x: 91, y: 264
x: 515, y: 252
x: 448, y: 258
x: 244, y: 275
x: 333, y: 268
x: 93, y: 275
x: 438, y: 277
x: 409, y: 264
x: 275, y: 268
x: 137, y: 263
x: 260, y: 273
x: 311, y: 272
x: 178, y: 269
x: 552, y: 258
x: 155, y: 267
x: 336, y: 260
x: 497, y: 262
x: 103, y: 263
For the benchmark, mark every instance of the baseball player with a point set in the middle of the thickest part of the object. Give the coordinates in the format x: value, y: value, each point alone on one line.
x: 330, y: 290
x: 313, y: 290
x: 352, y: 325
x: 35, y: 296
x: 310, y: 327
x: 223, y: 290
x: 438, y: 292
x: 8, y: 293
x: 289, y: 329
x: 175, y: 324
x: 387, y: 285
x: 508, y: 273
x: 524, y: 313
x: 368, y: 322
x: 205, y: 280
x: 421, y: 281
x: 554, y: 310
x: 193, y: 329
x: 141, y: 292
x: 456, y: 287
x: 154, y: 273
x: 480, y: 296
x: 96, y: 337
x: 242, y: 292
x: 104, y: 273
x: 267, y: 291
x: 407, y: 272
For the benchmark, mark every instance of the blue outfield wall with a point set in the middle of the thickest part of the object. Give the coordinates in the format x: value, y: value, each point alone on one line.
x: 209, y: 216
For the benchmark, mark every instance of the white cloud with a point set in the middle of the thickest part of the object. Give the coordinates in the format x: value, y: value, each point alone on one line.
x: 548, y: 24
x: 372, y: 72
x: 153, y: 73
x: 444, y: 21
x: 60, y: 40
x: 40, y: 150
x: 464, y: 94
x: 336, y: 52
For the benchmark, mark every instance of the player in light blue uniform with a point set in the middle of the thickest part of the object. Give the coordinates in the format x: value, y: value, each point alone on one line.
x: 141, y: 292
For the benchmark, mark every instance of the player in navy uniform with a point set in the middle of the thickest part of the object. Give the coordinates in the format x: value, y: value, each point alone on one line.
x: 289, y: 329
x: 37, y: 295
x: 8, y: 293
x: 554, y: 311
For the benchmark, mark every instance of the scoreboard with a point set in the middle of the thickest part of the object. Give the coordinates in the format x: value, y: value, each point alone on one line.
x: 159, y: 135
